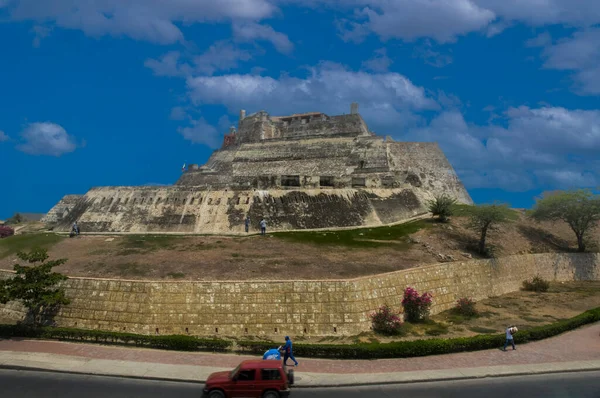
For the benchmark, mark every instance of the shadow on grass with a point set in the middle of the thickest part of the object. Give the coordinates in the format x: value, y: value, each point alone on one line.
x: 542, y: 240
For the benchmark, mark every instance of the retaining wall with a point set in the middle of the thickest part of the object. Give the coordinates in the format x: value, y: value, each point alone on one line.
x: 275, y: 308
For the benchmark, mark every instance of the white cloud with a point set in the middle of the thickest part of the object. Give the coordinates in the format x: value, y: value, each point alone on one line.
x: 328, y: 88
x: 536, y: 148
x: 40, y: 32
x: 431, y: 57
x: 251, y: 31
x: 221, y: 56
x: 46, y: 139
x: 444, y: 20
x: 379, y: 63
x: 579, y: 53
x: 3, y: 136
x: 151, y: 20
x: 200, y: 132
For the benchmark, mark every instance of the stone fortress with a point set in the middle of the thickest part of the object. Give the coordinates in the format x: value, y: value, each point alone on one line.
x: 304, y: 171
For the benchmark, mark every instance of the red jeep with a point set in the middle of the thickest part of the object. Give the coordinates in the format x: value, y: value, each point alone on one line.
x: 254, y: 378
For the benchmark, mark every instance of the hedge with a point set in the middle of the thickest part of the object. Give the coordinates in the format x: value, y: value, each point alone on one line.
x: 168, y: 342
x: 398, y: 349
x: 417, y: 348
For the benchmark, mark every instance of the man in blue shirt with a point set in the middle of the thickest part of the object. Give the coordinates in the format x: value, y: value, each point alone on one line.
x: 509, y: 337
x: 287, y: 351
x: 273, y: 353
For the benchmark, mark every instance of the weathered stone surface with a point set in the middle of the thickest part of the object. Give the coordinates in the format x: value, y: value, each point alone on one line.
x: 276, y: 308
x: 298, y: 172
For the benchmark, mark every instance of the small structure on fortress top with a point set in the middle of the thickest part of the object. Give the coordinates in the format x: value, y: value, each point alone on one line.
x: 302, y: 171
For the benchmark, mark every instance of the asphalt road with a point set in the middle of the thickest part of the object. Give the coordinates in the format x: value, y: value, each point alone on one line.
x: 20, y: 384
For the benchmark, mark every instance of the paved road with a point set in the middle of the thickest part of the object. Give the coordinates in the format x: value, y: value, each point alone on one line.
x: 21, y: 384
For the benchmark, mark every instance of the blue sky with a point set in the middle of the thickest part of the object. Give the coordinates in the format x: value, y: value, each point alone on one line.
x: 123, y: 92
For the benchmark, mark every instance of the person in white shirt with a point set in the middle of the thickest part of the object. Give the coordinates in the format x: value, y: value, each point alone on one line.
x: 509, y: 337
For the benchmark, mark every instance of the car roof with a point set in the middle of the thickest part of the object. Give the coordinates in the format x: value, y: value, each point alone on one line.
x: 261, y: 363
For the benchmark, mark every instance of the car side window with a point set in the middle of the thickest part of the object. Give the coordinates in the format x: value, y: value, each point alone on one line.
x: 270, y: 374
x: 247, y: 375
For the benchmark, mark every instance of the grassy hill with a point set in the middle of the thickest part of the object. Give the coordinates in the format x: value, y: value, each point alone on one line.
x: 291, y: 255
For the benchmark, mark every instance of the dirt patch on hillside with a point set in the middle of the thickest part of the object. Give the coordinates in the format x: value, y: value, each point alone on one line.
x: 308, y: 255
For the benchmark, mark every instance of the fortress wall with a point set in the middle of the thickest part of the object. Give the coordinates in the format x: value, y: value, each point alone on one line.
x: 427, y: 161
x: 277, y: 308
x: 62, y: 208
x: 180, y: 209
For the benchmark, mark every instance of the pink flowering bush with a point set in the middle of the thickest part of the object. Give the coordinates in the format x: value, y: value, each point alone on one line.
x: 386, y: 321
x: 416, y: 307
x: 466, y: 306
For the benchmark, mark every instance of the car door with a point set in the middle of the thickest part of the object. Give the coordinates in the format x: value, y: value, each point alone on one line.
x: 244, y: 385
x: 271, y: 379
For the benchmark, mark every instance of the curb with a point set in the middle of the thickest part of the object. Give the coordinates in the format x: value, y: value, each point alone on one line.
x: 297, y: 386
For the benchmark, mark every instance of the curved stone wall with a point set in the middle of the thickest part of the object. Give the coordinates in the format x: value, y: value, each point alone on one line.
x: 275, y: 308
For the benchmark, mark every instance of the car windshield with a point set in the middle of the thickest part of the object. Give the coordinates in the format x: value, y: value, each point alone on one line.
x: 234, y: 371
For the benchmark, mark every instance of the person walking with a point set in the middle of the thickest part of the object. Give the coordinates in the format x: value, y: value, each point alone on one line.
x: 287, y: 351
x: 263, y: 227
x: 509, y: 337
x: 247, y: 223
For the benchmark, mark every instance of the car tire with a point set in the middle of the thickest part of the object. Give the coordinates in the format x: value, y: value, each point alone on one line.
x: 270, y: 394
x: 290, y: 376
x: 216, y: 394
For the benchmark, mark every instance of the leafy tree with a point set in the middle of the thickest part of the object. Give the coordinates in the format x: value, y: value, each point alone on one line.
x: 35, y: 285
x: 442, y: 207
x: 17, y: 218
x: 484, y: 217
x: 580, y: 209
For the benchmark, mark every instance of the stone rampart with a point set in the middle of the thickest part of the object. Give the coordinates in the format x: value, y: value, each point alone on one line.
x: 275, y: 308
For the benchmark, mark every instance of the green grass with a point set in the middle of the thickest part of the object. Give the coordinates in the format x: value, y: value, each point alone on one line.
x: 363, y: 237
x: 482, y: 330
x: 26, y: 242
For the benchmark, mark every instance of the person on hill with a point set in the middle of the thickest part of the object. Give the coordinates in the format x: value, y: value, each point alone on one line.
x: 287, y: 351
x: 509, y: 337
x: 263, y: 227
x: 247, y: 223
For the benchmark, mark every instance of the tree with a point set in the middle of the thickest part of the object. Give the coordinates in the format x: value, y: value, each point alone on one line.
x: 484, y: 217
x: 580, y: 209
x: 441, y: 206
x: 35, y: 285
x: 17, y: 218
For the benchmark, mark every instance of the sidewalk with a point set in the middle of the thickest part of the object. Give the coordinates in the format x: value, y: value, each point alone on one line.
x: 573, y: 351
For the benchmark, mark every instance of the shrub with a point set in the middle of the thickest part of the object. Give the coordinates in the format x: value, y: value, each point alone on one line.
x: 416, y: 307
x: 536, y: 284
x: 6, y: 231
x: 386, y: 321
x: 442, y: 206
x: 465, y: 306
x: 172, y: 342
x: 416, y: 348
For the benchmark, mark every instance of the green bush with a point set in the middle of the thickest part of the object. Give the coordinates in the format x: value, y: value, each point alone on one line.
x: 537, y: 284
x: 416, y: 348
x: 442, y: 206
x: 171, y: 342
x: 466, y: 306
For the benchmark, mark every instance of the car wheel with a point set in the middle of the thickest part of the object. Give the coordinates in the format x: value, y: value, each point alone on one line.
x: 216, y: 394
x: 271, y: 394
x: 290, y: 376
